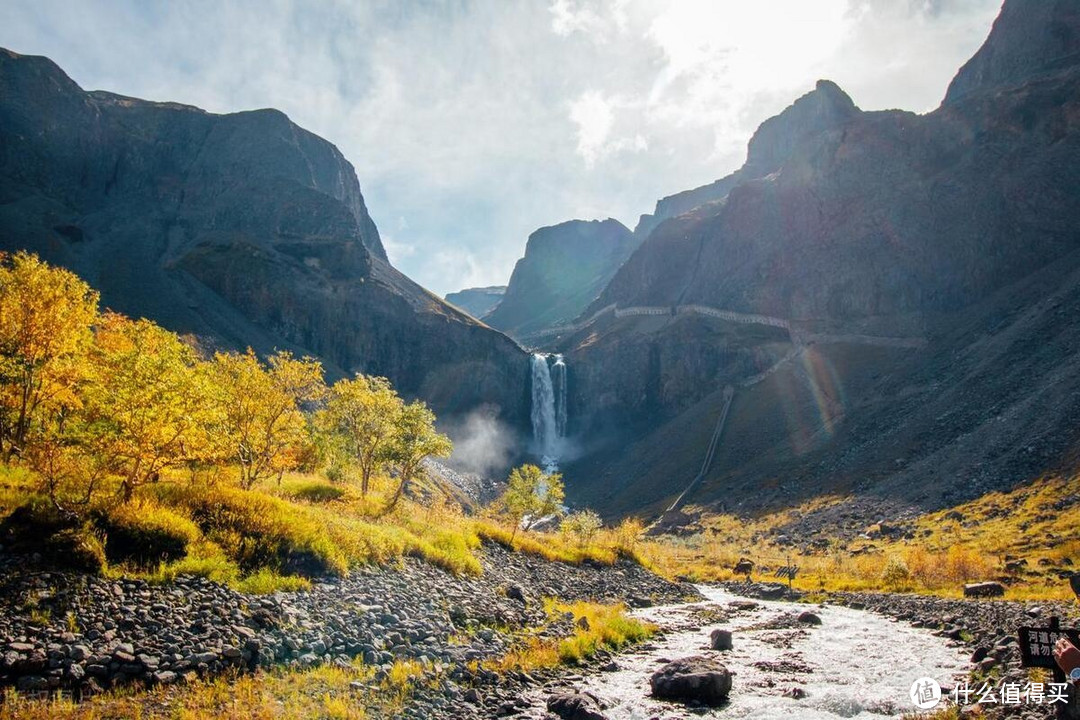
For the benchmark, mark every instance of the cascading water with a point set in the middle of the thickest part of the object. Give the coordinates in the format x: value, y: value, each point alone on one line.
x: 548, y: 408
x: 558, y: 379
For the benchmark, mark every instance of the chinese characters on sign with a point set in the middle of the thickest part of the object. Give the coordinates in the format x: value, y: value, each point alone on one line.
x: 1037, y: 645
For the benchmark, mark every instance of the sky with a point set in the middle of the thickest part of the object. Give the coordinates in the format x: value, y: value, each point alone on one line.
x: 473, y: 123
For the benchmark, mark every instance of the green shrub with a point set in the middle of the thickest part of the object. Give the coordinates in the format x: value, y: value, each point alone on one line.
x: 76, y: 548
x: 896, y: 575
x: 145, y: 533
x: 257, y: 530
x: 204, y: 559
x: 266, y: 582
x: 316, y: 492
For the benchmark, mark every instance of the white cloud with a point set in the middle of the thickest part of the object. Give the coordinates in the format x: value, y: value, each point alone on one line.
x: 593, y: 18
x: 594, y: 118
x: 397, y: 252
x: 481, y: 123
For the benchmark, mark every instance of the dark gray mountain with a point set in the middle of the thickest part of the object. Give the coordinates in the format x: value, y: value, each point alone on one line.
x: 827, y: 106
x: 478, y: 302
x: 957, y: 228
x: 241, y: 228
x: 564, y: 268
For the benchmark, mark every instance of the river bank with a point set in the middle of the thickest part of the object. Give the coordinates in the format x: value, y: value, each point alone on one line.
x: 80, y: 633
x: 858, y: 659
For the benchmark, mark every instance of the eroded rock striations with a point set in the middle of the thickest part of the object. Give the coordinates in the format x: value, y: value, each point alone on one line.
x: 243, y: 228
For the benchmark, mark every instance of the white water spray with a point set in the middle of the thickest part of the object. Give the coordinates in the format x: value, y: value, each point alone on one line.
x: 548, y: 408
x: 558, y: 379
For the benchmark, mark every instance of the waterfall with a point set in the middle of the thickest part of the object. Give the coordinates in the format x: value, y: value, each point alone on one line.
x: 548, y: 408
x: 558, y: 378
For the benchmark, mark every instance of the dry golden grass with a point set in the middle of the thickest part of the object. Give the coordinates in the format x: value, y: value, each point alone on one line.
x: 950, y: 547
x: 597, y: 627
x: 320, y: 692
x: 251, y: 539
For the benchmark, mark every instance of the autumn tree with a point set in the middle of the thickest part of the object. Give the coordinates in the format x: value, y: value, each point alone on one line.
x: 531, y: 494
x: 264, y: 428
x: 358, y: 425
x: 414, y: 439
x: 145, y: 407
x: 582, y: 525
x: 45, y: 319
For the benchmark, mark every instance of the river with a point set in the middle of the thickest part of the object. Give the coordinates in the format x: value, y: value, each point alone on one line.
x: 855, y: 664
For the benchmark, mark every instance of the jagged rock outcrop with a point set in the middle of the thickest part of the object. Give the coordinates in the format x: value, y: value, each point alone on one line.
x: 958, y: 226
x: 478, y: 302
x: 564, y: 268
x: 241, y: 228
x: 1029, y: 38
x: 824, y: 108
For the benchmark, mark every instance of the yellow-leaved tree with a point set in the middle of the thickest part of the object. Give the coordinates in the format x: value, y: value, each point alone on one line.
x: 146, y: 407
x: 357, y: 426
x: 531, y: 494
x: 262, y: 407
x: 45, y: 319
x: 414, y: 439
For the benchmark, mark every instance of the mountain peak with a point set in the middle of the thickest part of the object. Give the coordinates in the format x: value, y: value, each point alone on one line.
x: 822, y: 109
x: 564, y: 268
x: 1028, y: 37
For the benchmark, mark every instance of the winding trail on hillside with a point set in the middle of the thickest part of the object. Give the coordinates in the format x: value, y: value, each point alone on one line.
x: 798, y: 337
x: 855, y: 664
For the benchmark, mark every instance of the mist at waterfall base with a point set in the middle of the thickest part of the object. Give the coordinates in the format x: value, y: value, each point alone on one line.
x: 485, y: 445
x: 549, y: 411
x: 482, y: 443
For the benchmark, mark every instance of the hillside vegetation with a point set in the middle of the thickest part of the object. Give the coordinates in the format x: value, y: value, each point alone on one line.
x: 1026, y: 538
x: 129, y: 450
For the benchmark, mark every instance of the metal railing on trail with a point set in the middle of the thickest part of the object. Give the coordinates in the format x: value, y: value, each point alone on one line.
x: 710, y: 453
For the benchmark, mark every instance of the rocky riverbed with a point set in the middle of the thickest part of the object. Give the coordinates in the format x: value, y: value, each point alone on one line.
x: 987, y: 629
x: 849, y: 657
x: 784, y: 659
x: 83, y: 633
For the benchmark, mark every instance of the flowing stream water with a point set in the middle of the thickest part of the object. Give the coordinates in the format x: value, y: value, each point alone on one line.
x: 855, y: 664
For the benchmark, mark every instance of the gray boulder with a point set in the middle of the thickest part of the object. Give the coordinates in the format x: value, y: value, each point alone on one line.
x: 720, y: 639
x: 575, y: 706
x: 984, y: 589
x: 694, y: 678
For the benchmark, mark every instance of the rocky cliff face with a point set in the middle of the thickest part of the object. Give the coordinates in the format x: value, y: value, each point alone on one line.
x: 823, y: 109
x: 478, y: 302
x: 242, y: 228
x: 1029, y: 38
x: 564, y: 268
x: 858, y: 223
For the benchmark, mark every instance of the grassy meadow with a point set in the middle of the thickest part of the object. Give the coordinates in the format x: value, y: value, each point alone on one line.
x: 1029, y: 538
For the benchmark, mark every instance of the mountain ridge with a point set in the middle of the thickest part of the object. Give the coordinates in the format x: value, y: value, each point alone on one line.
x: 477, y: 301
x: 883, y: 224
x: 564, y: 268
x: 242, y: 228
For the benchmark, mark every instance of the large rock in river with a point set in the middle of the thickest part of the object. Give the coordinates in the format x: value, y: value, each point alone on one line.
x: 694, y: 678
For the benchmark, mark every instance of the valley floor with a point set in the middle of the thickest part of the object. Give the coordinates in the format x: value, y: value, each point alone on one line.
x: 417, y: 642
x: 408, y: 640
x: 1027, y: 539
